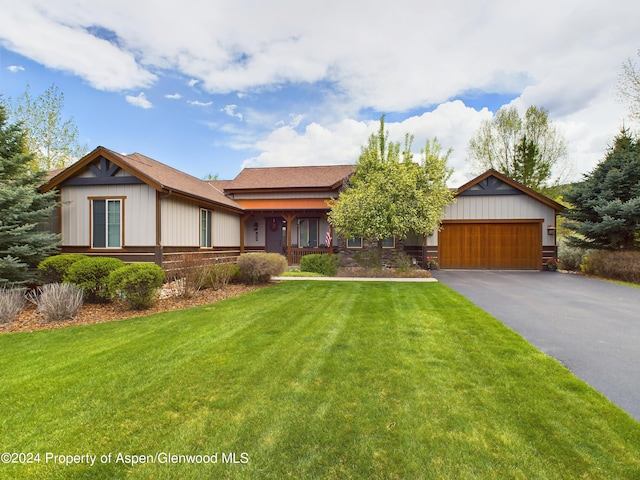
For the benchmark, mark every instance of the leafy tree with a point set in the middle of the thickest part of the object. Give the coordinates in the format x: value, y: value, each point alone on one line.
x: 53, y: 141
x: 390, y: 195
x: 606, y: 204
x: 629, y: 86
x: 22, y: 208
x: 527, y: 149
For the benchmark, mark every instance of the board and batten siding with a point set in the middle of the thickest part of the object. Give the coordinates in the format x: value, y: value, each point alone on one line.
x: 226, y: 229
x: 181, y: 224
x: 139, y: 213
x: 499, y: 207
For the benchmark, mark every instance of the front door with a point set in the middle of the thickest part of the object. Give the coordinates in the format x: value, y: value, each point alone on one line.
x: 276, y: 235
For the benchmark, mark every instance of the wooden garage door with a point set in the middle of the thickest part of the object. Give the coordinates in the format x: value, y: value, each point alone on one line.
x: 507, y: 246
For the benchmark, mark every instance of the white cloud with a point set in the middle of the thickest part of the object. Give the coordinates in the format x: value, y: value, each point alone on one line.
x: 198, y: 103
x: 362, y: 55
x: 140, y: 101
x: 452, y: 123
x: 15, y: 68
x: 173, y: 96
x: 231, y: 110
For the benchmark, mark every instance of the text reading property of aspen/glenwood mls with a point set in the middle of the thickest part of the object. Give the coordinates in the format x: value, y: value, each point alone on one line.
x: 122, y: 458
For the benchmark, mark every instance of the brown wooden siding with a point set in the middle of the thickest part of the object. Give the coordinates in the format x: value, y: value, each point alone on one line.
x: 491, y: 245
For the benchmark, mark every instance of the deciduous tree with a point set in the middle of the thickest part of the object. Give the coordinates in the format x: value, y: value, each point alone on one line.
x: 390, y: 195
x: 629, y: 87
x: 53, y: 141
x: 530, y: 150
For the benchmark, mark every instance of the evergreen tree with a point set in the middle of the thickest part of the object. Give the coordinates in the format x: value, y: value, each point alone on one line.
x: 22, y: 208
x: 606, y: 204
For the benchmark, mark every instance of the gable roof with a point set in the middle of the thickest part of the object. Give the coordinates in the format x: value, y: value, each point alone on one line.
x: 512, y: 183
x: 159, y: 176
x: 327, y: 177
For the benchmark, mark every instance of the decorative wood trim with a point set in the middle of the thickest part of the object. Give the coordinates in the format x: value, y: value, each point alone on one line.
x: 497, y: 220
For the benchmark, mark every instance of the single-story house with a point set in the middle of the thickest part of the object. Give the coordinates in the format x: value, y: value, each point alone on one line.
x: 138, y: 209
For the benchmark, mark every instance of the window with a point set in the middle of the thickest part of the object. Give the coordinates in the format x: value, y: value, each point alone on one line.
x: 106, y: 223
x: 205, y: 228
x: 308, y: 232
x: 389, y: 242
x: 355, y: 242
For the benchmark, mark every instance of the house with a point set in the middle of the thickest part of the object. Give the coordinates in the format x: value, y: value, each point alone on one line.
x: 135, y: 208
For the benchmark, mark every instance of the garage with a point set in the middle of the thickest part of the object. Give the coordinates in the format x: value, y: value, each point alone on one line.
x: 497, y: 245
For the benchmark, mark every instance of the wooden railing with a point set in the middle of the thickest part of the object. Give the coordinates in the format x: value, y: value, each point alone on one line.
x: 296, y: 254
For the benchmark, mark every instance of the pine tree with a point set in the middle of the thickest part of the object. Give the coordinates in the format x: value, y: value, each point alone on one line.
x: 606, y: 205
x: 22, y: 209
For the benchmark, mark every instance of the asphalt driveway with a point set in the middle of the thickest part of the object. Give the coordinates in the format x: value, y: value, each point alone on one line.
x: 590, y: 326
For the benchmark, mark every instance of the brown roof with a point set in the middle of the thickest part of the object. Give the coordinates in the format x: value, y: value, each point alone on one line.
x: 319, y: 177
x: 158, y: 175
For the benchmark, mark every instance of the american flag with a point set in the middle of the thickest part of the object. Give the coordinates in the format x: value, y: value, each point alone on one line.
x: 327, y: 238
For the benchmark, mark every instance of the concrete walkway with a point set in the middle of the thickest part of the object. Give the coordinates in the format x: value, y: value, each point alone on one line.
x: 589, y: 325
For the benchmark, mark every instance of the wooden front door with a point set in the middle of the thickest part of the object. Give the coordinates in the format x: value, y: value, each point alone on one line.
x: 276, y: 238
x: 491, y: 245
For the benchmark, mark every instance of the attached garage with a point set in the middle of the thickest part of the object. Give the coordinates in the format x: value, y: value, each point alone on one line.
x: 491, y: 245
x: 496, y: 223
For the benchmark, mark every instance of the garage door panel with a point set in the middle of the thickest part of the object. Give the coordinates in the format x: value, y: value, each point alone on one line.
x: 490, y: 246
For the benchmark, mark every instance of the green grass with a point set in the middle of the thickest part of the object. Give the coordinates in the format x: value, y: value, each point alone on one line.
x: 298, y: 273
x: 309, y: 380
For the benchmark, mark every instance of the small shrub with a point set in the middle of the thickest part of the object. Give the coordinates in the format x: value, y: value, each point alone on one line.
x: 570, y: 257
x: 221, y: 274
x: 366, y: 259
x: 57, y: 301
x: 617, y: 265
x: 192, y: 274
x: 258, y: 268
x: 138, y: 284
x: 12, y: 301
x: 323, y: 264
x: 92, y: 276
x: 55, y: 268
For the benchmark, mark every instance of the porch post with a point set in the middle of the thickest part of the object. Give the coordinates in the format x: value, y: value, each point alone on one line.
x: 290, y: 218
x: 243, y: 219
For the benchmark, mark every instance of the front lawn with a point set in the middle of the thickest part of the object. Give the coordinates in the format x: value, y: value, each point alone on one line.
x: 305, y: 380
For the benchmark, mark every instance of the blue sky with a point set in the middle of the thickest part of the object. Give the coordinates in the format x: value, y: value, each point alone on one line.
x: 210, y: 87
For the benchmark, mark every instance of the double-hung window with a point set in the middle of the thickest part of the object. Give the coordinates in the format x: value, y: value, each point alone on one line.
x: 205, y: 228
x: 106, y: 222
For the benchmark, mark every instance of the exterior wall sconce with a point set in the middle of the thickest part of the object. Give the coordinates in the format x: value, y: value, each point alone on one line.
x: 551, y: 230
x: 255, y: 229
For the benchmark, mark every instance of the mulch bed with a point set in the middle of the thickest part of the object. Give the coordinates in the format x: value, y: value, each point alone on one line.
x: 29, y: 320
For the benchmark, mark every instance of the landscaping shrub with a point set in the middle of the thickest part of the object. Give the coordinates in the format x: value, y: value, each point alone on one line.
x: 55, y: 268
x: 618, y: 265
x: 221, y: 274
x: 570, y: 257
x: 57, y: 301
x: 366, y: 259
x: 258, y: 268
x: 12, y: 301
x: 92, y: 275
x: 191, y: 274
x: 138, y: 284
x: 323, y: 264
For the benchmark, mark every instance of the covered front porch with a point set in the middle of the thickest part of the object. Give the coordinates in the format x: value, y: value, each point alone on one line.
x: 293, y: 234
